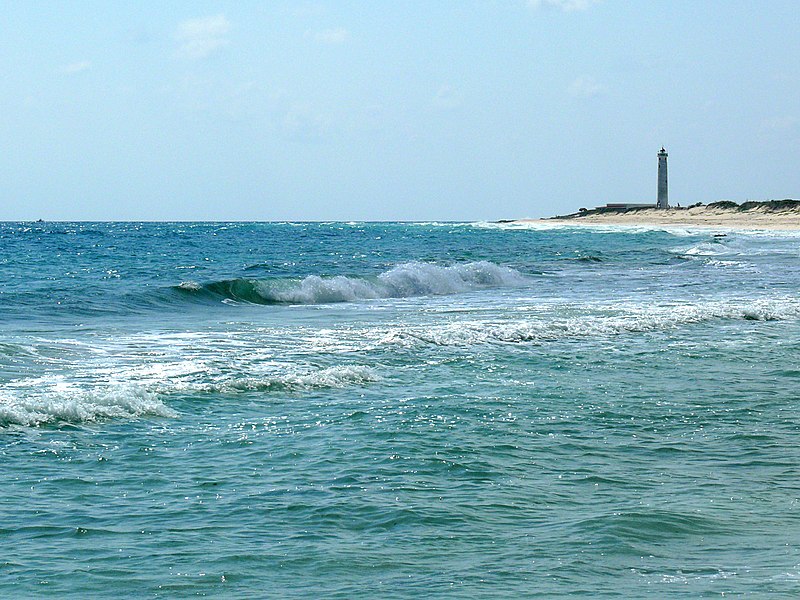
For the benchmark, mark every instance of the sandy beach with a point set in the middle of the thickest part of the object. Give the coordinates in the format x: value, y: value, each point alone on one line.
x: 701, y: 216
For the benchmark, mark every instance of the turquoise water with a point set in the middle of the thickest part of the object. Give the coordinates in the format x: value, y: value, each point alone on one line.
x: 350, y: 410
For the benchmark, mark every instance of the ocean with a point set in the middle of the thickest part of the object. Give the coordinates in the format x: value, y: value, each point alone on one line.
x: 392, y: 410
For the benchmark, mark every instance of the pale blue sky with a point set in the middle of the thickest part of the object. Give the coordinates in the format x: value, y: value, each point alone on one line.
x: 391, y: 110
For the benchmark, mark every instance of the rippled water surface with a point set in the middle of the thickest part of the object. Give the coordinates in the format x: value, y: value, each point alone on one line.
x: 390, y: 410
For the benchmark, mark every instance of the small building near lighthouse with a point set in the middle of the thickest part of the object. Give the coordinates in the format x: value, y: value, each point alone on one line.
x: 663, y: 197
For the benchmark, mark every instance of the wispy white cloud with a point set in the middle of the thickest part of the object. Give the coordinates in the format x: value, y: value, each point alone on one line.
x: 200, y: 37
x: 308, y: 9
x: 302, y: 123
x: 77, y: 67
x: 338, y: 35
x: 586, y: 87
x: 447, y: 97
x: 563, y: 5
x: 780, y: 124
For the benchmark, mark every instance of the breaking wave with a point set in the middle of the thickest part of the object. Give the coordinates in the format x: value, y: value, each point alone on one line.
x: 80, y: 406
x: 633, y: 320
x: 73, y: 404
x: 331, y: 377
x: 403, y: 281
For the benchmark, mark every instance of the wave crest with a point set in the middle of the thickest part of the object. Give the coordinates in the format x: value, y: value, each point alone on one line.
x: 403, y: 281
x: 634, y: 319
x: 329, y: 378
x: 81, y: 406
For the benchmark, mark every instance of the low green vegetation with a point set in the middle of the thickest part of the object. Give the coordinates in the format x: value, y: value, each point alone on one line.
x: 726, y: 204
x: 766, y: 205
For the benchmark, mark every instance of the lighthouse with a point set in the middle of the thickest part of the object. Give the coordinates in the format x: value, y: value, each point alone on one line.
x: 663, y: 200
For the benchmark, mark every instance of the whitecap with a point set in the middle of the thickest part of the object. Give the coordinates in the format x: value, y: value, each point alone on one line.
x: 405, y: 280
x: 604, y: 321
x: 68, y: 404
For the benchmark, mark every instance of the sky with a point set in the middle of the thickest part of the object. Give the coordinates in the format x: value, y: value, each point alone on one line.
x: 391, y: 110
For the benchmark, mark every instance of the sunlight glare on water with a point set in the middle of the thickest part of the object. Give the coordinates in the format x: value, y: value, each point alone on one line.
x: 372, y: 410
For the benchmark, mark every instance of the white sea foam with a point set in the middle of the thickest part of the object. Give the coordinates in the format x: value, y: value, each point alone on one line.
x: 625, y: 319
x: 85, y: 397
x: 241, y: 358
x: 617, y: 228
x: 289, y: 380
x: 406, y: 280
x: 547, y: 225
x: 735, y: 245
x: 705, y: 249
x: 74, y: 405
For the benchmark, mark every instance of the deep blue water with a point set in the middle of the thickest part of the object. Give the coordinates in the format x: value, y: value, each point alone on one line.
x: 346, y: 410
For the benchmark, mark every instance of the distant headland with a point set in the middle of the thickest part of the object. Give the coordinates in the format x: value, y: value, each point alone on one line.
x: 770, y: 214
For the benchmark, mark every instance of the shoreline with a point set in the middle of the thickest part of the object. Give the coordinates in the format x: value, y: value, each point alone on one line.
x: 760, y: 217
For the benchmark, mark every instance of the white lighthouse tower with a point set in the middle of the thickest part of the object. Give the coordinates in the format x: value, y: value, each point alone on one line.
x: 663, y: 200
